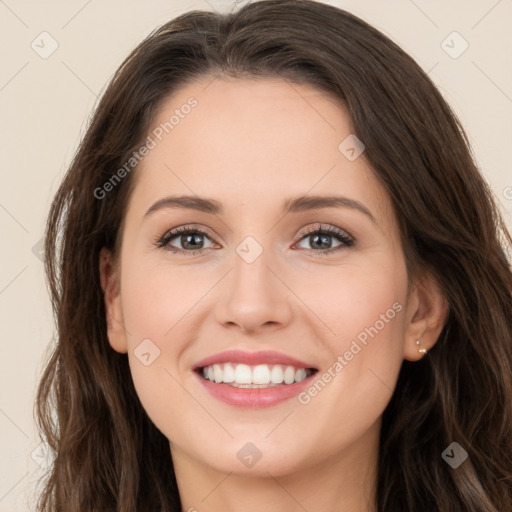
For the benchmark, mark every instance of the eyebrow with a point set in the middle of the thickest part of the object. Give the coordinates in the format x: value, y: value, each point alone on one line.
x: 292, y: 205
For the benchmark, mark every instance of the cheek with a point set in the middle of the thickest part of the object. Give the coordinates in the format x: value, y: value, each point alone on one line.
x: 155, y: 298
x: 367, y: 314
x: 366, y: 354
x: 367, y: 302
x: 158, y: 311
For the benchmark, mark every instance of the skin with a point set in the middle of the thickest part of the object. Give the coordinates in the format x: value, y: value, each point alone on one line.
x: 252, y: 144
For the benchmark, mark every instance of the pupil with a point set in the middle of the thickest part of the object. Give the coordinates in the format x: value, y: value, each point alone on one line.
x: 196, y: 239
x: 323, y: 239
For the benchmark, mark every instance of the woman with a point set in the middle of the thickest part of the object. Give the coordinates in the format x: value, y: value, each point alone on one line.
x: 279, y: 280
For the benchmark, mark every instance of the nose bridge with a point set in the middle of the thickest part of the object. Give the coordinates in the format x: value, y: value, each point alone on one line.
x: 251, y: 273
x: 254, y: 296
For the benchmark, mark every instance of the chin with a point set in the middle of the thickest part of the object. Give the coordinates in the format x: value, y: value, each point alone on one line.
x: 257, y: 458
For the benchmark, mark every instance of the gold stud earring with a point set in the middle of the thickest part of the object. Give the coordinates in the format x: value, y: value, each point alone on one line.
x: 422, y: 350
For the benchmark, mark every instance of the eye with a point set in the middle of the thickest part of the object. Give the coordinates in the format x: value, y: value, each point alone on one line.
x: 320, y: 237
x: 190, y: 239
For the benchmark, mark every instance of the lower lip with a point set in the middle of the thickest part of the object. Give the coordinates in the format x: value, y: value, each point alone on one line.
x: 253, y: 398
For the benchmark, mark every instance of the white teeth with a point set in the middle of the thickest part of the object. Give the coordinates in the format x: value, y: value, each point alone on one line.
x: 229, y: 373
x: 259, y: 376
x: 217, y: 373
x: 243, y: 374
x: 300, y: 375
x: 289, y: 375
x: 276, y: 375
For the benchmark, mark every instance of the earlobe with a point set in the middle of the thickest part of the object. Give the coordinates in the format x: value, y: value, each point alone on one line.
x: 111, y: 293
x: 427, y: 313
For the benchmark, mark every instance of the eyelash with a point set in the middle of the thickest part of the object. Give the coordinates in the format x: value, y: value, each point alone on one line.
x: 347, y: 241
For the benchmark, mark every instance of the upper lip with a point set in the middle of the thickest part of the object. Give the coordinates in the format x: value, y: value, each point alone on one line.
x: 252, y: 358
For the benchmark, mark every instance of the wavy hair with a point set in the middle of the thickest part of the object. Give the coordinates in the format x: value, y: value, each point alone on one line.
x: 109, y: 456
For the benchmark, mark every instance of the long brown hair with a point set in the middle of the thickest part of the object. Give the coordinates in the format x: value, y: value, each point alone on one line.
x: 109, y: 455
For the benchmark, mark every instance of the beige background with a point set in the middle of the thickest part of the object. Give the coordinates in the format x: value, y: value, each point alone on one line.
x: 45, y: 104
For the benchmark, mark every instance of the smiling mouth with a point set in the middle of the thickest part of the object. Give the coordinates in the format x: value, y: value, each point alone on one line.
x: 254, y: 376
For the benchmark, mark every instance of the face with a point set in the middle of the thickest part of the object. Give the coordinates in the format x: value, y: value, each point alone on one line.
x: 296, y: 309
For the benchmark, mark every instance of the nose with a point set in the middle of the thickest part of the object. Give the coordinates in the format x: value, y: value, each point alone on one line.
x: 254, y: 298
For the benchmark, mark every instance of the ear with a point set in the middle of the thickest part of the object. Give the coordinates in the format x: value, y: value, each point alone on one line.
x: 111, y: 291
x: 426, y: 314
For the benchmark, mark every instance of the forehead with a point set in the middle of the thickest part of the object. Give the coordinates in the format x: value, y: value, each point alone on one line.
x: 253, y: 142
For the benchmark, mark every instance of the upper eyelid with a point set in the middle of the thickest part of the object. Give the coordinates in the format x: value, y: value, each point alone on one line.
x: 325, y: 227
x: 189, y: 228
